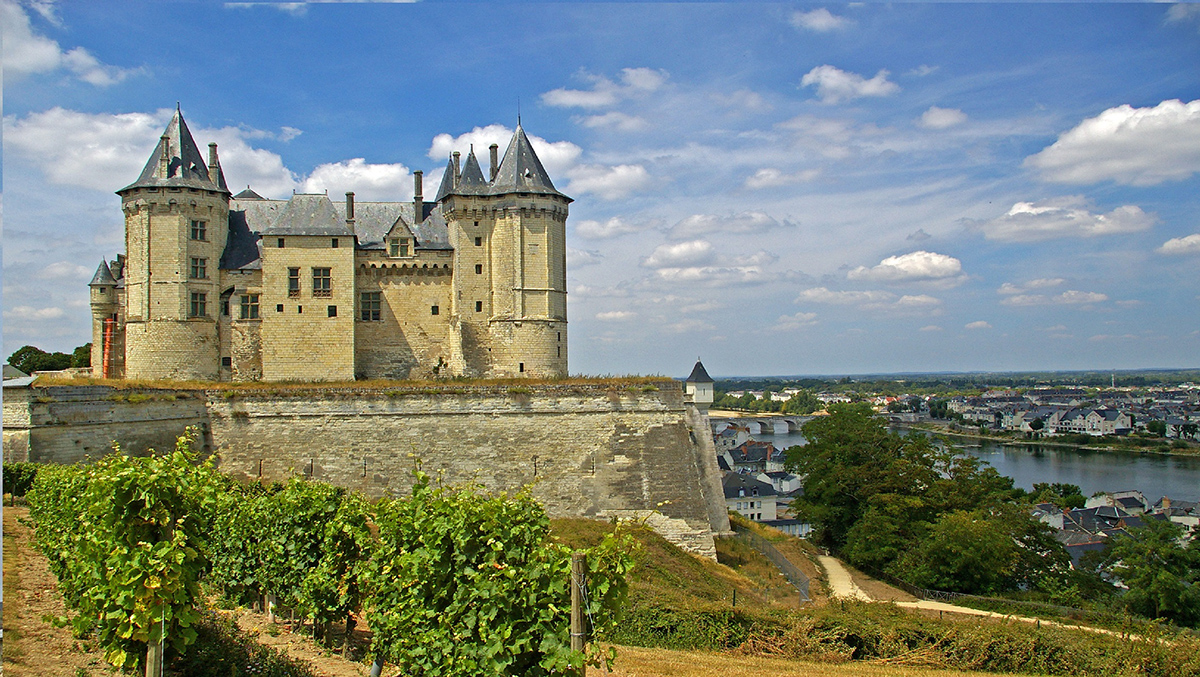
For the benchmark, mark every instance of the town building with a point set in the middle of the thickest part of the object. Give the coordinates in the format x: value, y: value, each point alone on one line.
x: 220, y: 287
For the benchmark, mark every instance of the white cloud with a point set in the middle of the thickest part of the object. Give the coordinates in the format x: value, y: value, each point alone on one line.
x: 26, y: 52
x: 367, y: 181
x: 978, y: 325
x: 714, y: 276
x: 1189, y: 244
x: 1063, y: 217
x: 794, y: 322
x: 931, y: 327
x: 941, y: 118
x: 66, y: 270
x: 918, y: 266
x: 578, y: 258
x: 835, y: 85
x: 31, y: 313
x: 819, y: 20
x: 923, y: 70
x: 917, y: 301
x: 1069, y: 297
x: 773, y: 178
x: 1183, y: 11
x: 824, y: 295
x: 605, y: 92
x: 1008, y: 288
x: 680, y: 254
x: 613, y: 120
x: 745, y: 222
x: 610, y: 183
x: 616, y: 316
x: 761, y: 257
x: 556, y: 157
x: 1127, y: 145
x: 597, y: 230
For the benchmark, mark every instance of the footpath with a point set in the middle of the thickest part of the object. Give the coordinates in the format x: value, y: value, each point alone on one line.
x: 841, y: 584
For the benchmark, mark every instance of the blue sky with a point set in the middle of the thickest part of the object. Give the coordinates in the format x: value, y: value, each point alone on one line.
x: 776, y: 188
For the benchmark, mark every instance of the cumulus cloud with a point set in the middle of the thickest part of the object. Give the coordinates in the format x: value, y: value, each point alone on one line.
x: 616, y: 316
x: 613, y: 120
x: 1189, y: 244
x: 844, y: 298
x: 31, y: 313
x: 65, y: 270
x: 1009, y: 288
x: 1063, y: 217
x: 578, y: 258
x: 978, y: 325
x: 1127, y: 145
x: 367, y: 181
x: 603, y: 230
x: 774, y: 178
x: 1069, y: 297
x: 25, y: 52
x: 835, y: 85
x: 794, y: 322
x: 610, y: 183
x: 605, y: 92
x: 557, y: 157
x: 819, y: 20
x: 918, y: 266
x: 941, y: 118
x: 691, y: 253
x: 745, y: 222
x: 714, y: 276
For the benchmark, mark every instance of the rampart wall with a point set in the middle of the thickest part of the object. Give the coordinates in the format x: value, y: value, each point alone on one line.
x: 586, y: 450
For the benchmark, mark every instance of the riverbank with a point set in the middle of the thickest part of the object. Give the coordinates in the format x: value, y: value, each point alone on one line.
x: 1192, y: 450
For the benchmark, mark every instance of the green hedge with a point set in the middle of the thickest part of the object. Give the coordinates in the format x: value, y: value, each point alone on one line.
x: 19, y: 477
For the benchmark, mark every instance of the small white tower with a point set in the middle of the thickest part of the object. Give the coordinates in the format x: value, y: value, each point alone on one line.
x: 699, y: 387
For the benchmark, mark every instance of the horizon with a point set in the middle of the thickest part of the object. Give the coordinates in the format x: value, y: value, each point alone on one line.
x: 831, y: 189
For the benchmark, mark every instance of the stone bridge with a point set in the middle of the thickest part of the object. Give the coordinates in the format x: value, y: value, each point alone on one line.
x: 762, y: 425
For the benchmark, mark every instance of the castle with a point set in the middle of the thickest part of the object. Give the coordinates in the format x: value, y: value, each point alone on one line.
x: 222, y: 287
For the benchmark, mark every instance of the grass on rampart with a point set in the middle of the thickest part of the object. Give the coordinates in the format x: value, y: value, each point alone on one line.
x: 431, y: 386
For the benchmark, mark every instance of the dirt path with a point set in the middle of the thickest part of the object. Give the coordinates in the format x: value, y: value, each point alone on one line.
x: 841, y: 583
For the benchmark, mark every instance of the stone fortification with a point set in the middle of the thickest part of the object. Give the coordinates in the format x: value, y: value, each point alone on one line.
x: 588, y: 450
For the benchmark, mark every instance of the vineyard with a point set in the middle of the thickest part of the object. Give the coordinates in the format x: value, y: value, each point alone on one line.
x: 452, y: 580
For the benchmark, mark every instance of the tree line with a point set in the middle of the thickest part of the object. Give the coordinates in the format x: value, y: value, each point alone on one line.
x: 30, y: 359
x: 918, y: 511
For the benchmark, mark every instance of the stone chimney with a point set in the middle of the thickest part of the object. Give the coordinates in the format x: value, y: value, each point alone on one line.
x: 418, y: 198
x: 214, y: 165
x: 455, y: 155
x: 350, y: 208
x: 495, y: 153
x: 164, y: 162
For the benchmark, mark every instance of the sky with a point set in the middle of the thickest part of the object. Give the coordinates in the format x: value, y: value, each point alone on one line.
x: 774, y: 188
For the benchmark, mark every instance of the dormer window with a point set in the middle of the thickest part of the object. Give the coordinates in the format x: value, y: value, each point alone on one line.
x: 398, y: 247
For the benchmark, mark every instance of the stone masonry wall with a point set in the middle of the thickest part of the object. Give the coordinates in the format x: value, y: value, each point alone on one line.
x: 587, y: 450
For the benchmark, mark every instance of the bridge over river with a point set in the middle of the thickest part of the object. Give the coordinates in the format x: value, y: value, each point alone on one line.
x: 761, y: 425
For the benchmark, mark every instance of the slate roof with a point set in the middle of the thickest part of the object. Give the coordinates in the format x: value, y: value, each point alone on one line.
x: 12, y: 372
x: 307, y: 214
x: 520, y: 171
x: 248, y: 195
x: 103, y: 276
x: 737, y: 485
x: 187, y: 167
x: 699, y: 374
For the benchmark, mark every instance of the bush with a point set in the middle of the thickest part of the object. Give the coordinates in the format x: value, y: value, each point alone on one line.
x: 19, y: 477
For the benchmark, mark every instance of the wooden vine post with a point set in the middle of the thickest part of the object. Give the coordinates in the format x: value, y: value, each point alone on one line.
x: 577, y: 626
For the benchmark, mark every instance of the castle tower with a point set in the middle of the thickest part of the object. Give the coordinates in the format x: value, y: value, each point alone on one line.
x: 108, y: 333
x: 699, y: 387
x: 176, y: 222
x: 510, y: 277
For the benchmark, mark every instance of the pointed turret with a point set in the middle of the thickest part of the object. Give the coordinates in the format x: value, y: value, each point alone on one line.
x: 521, y: 171
x: 177, y: 162
x: 447, y: 185
x: 471, y: 181
x: 699, y: 386
x: 103, y: 276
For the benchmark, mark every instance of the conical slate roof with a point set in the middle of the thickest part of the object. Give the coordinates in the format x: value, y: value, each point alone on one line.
x: 103, y: 276
x: 186, y: 167
x: 521, y: 171
x: 699, y: 375
x: 471, y: 181
x: 447, y: 185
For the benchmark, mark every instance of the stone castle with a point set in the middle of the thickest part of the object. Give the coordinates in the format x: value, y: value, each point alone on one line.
x: 222, y: 287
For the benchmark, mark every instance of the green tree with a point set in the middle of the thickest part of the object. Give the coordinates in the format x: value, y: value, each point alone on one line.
x: 1157, y: 427
x: 1060, y: 494
x: 1162, y: 575
x: 82, y: 356
x: 30, y: 359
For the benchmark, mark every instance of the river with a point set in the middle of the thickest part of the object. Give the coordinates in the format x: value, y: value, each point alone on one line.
x: 1155, y: 475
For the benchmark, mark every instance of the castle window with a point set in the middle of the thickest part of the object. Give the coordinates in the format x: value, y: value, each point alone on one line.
x: 249, y: 307
x: 279, y: 243
x: 293, y: 283
x: 559, y: 351
x: 369, y: 306
x: 479, y: 269
x: 479, y: 306
x: 398, y: 247
x: 227, y: 362
x: 476, y: 224
x: 322, y: 283
x: 521, y: 367
x: 479, y: 242
x: 433, y: 310
x: 334, y: 243
x: 199, y: 230
x: 199, y: 307
x: 333, y: 311
x: 199, y: 269
x: 224, y: 307
x: 279, y: 307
